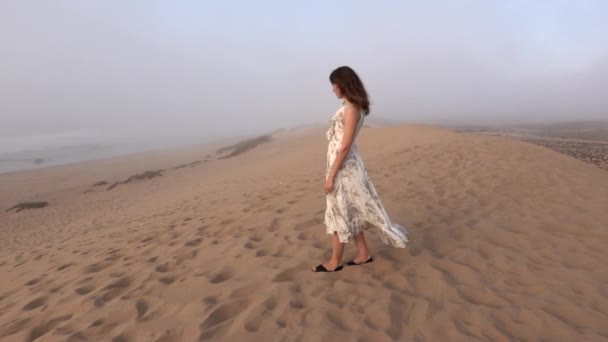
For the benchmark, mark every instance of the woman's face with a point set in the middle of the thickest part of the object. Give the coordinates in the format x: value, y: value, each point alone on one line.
x: 336, y: 90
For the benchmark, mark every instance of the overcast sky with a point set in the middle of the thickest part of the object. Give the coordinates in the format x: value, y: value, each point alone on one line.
x: 203, y: 69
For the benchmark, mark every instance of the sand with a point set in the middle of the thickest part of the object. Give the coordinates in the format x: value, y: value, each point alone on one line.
x: 583, y: 140
x: 508, y: 242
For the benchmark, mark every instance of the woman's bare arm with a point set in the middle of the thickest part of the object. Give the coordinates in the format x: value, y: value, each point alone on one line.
x: 351, y: 119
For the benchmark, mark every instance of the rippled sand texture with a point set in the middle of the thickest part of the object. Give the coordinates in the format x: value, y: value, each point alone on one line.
x: 508, y: 242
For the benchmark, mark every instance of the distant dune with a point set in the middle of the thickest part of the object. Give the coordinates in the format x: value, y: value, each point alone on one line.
x: 508, y: 242
x: 585, y: 140
x: 378, y: 121
x: 242, y: 147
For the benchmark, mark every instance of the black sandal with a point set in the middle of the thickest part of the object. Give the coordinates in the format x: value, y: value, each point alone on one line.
x: 353, y: 263
x: 321, y: 268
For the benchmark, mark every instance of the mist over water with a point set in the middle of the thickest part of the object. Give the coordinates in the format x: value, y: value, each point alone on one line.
x: 153, y: 74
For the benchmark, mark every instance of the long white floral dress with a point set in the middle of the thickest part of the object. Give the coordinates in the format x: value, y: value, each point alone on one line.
x: 354, y: 204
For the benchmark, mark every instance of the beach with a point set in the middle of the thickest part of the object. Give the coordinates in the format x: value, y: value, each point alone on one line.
x: 507, y: 243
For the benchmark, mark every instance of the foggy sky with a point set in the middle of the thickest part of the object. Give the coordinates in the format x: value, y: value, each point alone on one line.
x: 205, y: 69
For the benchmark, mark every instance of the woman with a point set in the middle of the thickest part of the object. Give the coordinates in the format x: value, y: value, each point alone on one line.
x: 352, y: 201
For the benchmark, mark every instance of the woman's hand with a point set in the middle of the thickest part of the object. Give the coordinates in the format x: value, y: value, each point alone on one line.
x: 329, y: 185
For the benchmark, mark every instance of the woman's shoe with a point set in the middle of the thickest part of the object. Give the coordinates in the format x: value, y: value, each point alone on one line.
x: 353, y: 263
x: 321, y: 268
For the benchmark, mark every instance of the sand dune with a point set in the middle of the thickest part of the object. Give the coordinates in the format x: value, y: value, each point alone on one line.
x: 508, y: 242
x: 583, y: 140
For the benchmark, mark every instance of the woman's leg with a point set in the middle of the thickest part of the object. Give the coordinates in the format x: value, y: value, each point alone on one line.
x: 336, y: 255
x: 362, y: 247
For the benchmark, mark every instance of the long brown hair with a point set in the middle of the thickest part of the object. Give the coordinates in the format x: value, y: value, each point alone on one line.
x: 351, y: 86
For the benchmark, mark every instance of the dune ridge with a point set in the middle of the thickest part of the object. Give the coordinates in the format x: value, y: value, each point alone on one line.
x: 507, y: 243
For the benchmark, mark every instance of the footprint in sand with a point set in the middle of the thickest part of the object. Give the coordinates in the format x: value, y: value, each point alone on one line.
x: 318, y: 245
x: 85, y: 280
x: 210, y: 301
x: 200, y: 231
x: 308, y: 223
x: 337, y: 321
x: 221, y: 276
x: 194, y: 243
x: 167, y: 280
x: 14, y: 327
x: 286, y: 275
x: 142, y: 308
x: 33, y: 282
x: 55, y: 289
x: 97, y: 267
x: 112, y: 257
x: 122, y: 338
x: 85, y: 290
x: 259, y: 315
x: 304, y: 236
x: 36, y: 303
x: 274, y: 226
x: 77, y: 337
x: 222, y: 313
x: 335, y: 300
x: 226, y: 222
x: 63, y: 267
x: 46, y: 327
x: 244, y: 291
x: 148, y: 239
x: 113, y: 290
x: 163, y: 268
x: 254, y: 324
x: 97, y: 323
x: 173, y: 335
x: 261, y: 252
x: 256, y: 238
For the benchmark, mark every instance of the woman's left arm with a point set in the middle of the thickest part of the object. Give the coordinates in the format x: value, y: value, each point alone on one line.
x: 351, y: 119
